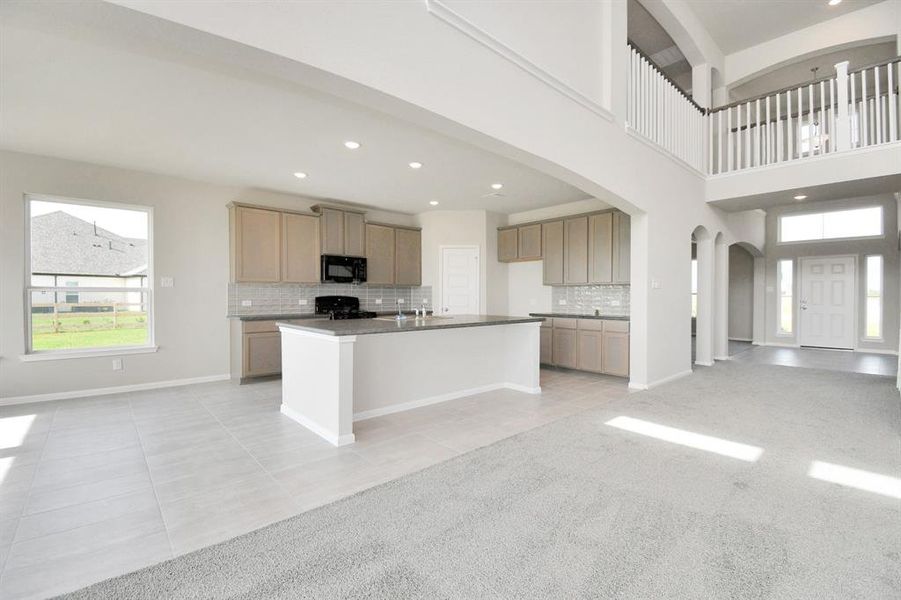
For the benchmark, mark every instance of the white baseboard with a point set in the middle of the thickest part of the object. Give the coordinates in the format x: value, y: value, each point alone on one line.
x: 653, y: 384
x: 704, y: 363
x: 722, y: 358
x: 326, y: 434
x: 105, y: 391
x: 734, y: 339
x: 877, y: 351
x: 396, y: 408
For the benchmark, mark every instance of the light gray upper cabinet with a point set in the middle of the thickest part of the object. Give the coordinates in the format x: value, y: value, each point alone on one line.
x: 300, y: 248
x: 354, y: 234
x: 379, y: 254
x: 408, y: 256
x: 575, y: 255
x: 552, y: 241
x: 342, y: 232
x: 529, y: 242
x: 600, y: 248
x: 622, y: 240
x: 507, y: 245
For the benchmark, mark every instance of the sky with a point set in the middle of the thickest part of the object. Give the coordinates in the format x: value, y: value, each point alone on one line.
x: 127, y: 223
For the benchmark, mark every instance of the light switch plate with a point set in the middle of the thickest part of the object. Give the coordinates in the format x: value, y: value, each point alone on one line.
x: 378, y: 301
x: 117, y: 364
x: 561, y: 302
x: 246, y: 302
x: 400, y: 300
x: 302, y: 302
x: 167, y: 282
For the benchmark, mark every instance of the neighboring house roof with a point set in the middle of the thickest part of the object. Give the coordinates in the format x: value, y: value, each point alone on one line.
x: 64, y: 244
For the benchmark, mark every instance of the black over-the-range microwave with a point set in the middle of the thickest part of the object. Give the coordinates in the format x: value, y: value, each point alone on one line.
x: 343, y: 269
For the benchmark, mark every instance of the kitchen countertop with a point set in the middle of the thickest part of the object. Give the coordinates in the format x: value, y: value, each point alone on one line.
x: 571, y: 316
x: 293, y: 317
x: 372, y: 326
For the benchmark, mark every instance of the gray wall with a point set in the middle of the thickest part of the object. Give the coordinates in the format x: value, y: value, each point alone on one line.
x: 741, y: 294
x: 887, y: 246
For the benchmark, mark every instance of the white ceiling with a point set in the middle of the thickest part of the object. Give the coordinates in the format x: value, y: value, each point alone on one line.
x: 739, y: 24
x: 86, y: 93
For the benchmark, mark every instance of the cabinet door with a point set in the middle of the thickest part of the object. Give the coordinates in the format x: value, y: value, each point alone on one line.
x: 354, y: 234
x: 600, y: 248
x: 547, y: 346
x: 552, y: 241
x: 507, y: 245
x: 566, y: 348
x: 257, y: 245
x: 300, y: 248
x: 408, y: 257
x: 379, y: 254
x: 530, y: 242
x: 591, y: 351
x: 616, y: 353
x: 575, y: 255
x: 262, y: 354
x: 331, y: 230
x: 622, y: 240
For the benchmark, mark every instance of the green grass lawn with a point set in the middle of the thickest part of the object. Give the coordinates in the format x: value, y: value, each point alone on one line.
x: 88, y: 330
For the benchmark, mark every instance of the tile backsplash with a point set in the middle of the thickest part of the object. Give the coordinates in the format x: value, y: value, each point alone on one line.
x: 297, y: 299
x: 610, y: 300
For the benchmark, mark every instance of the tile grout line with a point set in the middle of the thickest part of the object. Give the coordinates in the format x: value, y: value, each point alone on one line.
x: 27, y: 496
x: 156, y: 496
x: 250, y: 454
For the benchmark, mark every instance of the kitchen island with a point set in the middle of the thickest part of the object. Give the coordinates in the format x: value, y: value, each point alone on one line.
x: 336, y: 372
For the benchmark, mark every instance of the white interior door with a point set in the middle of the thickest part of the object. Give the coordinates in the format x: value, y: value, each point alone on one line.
x: 460, y: 281
x: 827, y: 302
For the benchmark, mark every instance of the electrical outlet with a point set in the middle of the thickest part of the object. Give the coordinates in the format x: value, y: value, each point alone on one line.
x: 166, y: 282
x: 614, y: 303
x: 117, y: 364
x: 400, y: 300
x: 378, y: 301
x: 655, y: 284
x: 246, y: 302
x: 561, y: 302
x: 302, y: 302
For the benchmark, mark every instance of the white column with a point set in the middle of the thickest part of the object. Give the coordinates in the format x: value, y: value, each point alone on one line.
x: 704, y: 324
x: 639, y: 344
x: 701, y: 84
x: 721, y: 302
x: 842, y: 119
x: 759, y: 315
x: 616, y: 58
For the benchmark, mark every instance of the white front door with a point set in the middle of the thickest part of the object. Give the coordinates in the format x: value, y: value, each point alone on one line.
x: 827, y: 302
x: 460, y: 281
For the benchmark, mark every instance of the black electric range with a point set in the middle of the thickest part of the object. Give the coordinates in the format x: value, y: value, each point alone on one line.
x: 341, y: 307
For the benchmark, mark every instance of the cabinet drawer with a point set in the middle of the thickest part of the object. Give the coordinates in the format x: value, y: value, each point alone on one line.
x: 591, y: 325
x: 616, y: 326
x: 260, y: 327
x: 565, y: 323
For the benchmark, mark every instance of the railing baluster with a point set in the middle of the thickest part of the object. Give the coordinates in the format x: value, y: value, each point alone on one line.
x: 719, y: 140
x: 769, y: 137
x: 892, y: 106
x: 789, y: 125
x: 854, y: 121
x: 748, y: 133
x: 779, y: 153
x: 864, y: 120
x: 878, y: 103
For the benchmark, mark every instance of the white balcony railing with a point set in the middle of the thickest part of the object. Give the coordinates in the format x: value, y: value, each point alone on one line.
x: 843, y: 112
x: 662, y: 113
x: 846, y: 111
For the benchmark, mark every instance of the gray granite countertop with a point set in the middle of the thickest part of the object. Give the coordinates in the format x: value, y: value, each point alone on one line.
x: 386, y: 325
x: 571, y: 316
x: 296, y: 316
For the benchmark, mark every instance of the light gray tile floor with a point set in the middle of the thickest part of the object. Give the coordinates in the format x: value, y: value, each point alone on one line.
x: 96, y: 487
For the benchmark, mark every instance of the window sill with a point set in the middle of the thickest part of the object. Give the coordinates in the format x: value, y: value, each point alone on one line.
x: 67, y: 354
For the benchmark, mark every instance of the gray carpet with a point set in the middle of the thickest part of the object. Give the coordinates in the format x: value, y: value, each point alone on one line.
x: 579, y: 509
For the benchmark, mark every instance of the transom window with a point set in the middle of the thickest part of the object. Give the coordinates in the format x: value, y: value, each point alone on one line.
x: 89, y: 282
x: 834, y: 225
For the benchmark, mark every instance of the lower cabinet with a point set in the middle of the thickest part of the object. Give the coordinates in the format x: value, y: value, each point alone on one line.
x: 262, y: 354
x: 547, y: 345
x: 595, y: 345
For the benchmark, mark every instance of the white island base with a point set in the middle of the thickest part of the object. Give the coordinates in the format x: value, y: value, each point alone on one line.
x: 331, y: 380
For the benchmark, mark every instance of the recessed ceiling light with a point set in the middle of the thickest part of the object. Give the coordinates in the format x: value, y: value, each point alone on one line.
x: 434, y: 203
x: 800, y: 197
x: 415, y: 165
x: 834, y: 2
x: 300, y: 175
x: 352, y: 145
x: 497, y: 186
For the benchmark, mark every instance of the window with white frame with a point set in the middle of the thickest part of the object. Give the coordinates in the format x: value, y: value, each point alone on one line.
x: 786, y: 294
x: 874, y: 297
x: 834, y: 225
x: 694, y: 288
x: 90, y: 280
